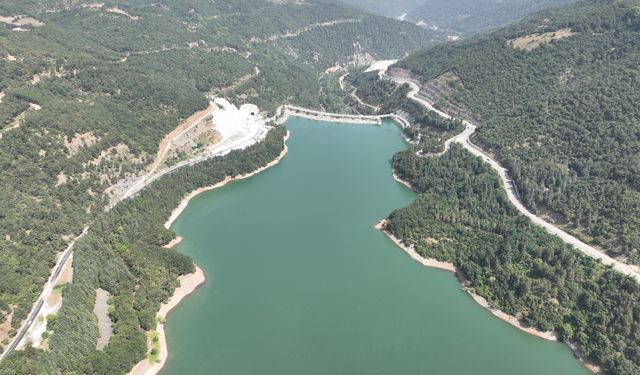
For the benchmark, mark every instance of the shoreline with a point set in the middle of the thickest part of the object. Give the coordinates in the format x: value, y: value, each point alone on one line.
x: 433, y: 263
x: 185, y: 201
x: 188, y: 284
x: 427, y: 262
x: 174, y: 242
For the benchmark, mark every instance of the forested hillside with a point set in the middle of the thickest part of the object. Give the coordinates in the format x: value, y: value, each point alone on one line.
x: 88, y: 90
x: 462, y: 215
x: 555, y: 96
x: 425, y: 128
x: 459, y: 17
x: 124, y: 255
x: 470, y: 17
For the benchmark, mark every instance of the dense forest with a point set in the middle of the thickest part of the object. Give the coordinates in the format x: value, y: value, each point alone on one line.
x: 123, y: 254
x: 462, y: 215
x: 555, y: 100
x: 87, y: 91
x: 458, y: 17
x: 469, y: 17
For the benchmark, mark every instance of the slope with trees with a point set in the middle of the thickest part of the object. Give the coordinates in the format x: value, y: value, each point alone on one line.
x: 462, y: 215
x: 89, y: 93
x: 123, y: 254
x: 554, y: 97
x: 459, y: 17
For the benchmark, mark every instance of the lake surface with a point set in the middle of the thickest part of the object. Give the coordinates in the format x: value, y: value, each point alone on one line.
x: 299, y: 281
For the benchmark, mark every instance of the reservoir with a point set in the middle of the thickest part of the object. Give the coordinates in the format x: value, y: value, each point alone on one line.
x: 299, y: 281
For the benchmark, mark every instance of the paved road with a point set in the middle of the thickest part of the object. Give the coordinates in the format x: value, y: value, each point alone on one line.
x: 512, y: 190
x: 46, y: 292
x: 146, y: 181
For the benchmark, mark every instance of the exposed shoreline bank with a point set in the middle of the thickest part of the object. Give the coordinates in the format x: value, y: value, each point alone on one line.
x: 434, y: 263
x: 188, y: 283
x: 173, y: 243
x: 185, y: 201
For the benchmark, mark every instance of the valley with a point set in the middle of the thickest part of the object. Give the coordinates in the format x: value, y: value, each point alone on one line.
x: 137, y: 138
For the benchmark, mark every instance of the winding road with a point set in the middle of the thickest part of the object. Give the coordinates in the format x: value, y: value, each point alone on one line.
x: 224, y: 147
x: 512, y: 190
x: 413, y: 94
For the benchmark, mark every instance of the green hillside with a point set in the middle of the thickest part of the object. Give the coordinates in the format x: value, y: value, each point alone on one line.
x: 462, y: 215
x: 470, y: 17
x: 88, y: 91
x: 458, y: 17
x: 555, y: 97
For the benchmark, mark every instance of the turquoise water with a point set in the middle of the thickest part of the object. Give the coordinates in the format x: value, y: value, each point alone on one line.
x: 299, y: 281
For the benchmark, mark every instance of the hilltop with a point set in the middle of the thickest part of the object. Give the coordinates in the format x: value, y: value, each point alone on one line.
x: 458, y: 17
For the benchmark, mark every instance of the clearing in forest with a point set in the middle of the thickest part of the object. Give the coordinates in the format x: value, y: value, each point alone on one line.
x: 533, y: 41
x: 101, y: 309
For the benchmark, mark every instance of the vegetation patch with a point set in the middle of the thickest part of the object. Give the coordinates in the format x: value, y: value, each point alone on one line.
x: 154, y: 352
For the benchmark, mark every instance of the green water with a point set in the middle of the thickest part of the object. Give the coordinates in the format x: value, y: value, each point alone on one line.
x: 299, y: 282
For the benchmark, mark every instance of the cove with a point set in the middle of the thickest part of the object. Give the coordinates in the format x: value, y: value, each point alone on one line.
x: 299, y: 281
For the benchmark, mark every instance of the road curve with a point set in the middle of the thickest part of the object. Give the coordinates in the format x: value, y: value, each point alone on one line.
x: 512, y: 192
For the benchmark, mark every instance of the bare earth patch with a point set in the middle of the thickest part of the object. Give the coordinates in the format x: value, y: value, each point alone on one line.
x: 5, y: 327
x: 184, y: 126
x: 29, y: 21
x: 93, y: 6
x: 21, y: 21
x: 117, y: 10
x: 533, y: 41
x: 118, y: 152
x: 79, y: 141
x: 58, y: 73
x: 55, y: 298
x: 17, y: 121
x: 101, y: 309
x: 61, y: 179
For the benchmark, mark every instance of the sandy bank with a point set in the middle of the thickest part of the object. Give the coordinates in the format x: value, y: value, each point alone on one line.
x: 403, y: 182
x: 183, y: 204
x: 173, y: 242
x: 188, y: 284
x: 433, y: 263
x: 429, y: 262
